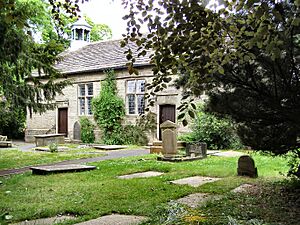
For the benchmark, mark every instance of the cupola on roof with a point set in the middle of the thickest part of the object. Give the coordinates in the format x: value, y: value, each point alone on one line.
x: 81, y: 23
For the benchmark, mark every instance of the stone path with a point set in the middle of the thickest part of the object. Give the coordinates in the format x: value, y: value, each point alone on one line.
x: 46, y: 221
x: 195, y: 181
x: 110, y: 155
x: 141, y: 175
x: 197, y: 199
x: 115, y: 219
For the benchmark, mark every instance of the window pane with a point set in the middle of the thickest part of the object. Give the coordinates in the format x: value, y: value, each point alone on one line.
x: 81, y: 106
x: 89, y: 105
x: 131, y: 104
x: 141, y: 104
x: 81, y: 90
x: 131, y: 86
x: 140, y: 86
x: 90, y: 88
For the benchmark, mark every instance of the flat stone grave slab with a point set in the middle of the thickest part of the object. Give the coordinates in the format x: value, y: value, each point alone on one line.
x: 141, y: 175
x: 197, y: 199
x: 46, y: 149
x: 43, y: 170
x: 115, y: 219
x: 246, y: 188
x: 228, y: 154
x: 179, y: 158
x: 195, y: 181
x: 46, y: 221
x: 110, y: 147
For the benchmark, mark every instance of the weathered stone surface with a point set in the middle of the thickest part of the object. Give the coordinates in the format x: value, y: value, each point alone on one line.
x: 245, y: 188
x: 43, y: 170
x: 195, y: 181
x: 197, y: 199
x: 141, y: 175
x: 46, y: 139
x: 110, y: 147
x: 46, y: 221
x: 115, y: 219
x: 169, y: 138
x: 246, y: 166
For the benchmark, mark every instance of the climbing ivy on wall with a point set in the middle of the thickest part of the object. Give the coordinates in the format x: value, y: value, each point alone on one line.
x: 109, y: 110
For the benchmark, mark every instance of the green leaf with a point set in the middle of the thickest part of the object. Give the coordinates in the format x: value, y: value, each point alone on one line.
x: 181, y: 116
x: 191, y: 113
x: 184, y: 122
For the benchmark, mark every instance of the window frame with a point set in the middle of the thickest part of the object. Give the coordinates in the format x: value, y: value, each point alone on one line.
x: 87, y: 97
x: 137, y: 91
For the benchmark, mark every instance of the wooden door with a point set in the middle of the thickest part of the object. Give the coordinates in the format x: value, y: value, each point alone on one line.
x: 63, y: 121
x: 166, y: 112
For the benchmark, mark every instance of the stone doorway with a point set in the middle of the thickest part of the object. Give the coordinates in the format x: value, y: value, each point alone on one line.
x: 63, y: 121
x: 166, y: 112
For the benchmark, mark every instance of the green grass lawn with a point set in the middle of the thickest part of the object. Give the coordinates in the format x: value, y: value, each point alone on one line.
x: 16, y: 158
x: 88, y: 195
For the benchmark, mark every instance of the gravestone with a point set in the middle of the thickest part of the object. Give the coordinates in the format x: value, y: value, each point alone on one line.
x: 77, y: 131
x: 169, y: 139
x: 196, y: 149
x: 246, y: 166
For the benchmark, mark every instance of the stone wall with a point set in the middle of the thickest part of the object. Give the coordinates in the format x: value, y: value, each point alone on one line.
x: 47, y: 122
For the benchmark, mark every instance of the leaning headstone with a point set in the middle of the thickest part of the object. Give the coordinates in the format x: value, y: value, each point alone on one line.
x: 246, y: 166
x: 169, y: 139
x: 77, y: 131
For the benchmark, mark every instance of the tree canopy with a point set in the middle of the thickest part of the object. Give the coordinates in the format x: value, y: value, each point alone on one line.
x: 20, y: 56
x: 99, y: 31
x: 245, y: 56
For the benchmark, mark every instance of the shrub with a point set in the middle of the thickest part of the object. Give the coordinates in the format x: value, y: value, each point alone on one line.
x: 109, y: 110
x: 53, y: 147
x: 87, y: 130
x: 12, y: 120
x: 217, y: 133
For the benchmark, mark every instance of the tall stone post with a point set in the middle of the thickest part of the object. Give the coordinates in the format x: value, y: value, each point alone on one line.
x: 169, y: 139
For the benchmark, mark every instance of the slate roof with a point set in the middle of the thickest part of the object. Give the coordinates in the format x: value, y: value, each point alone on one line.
x: 98, y: 56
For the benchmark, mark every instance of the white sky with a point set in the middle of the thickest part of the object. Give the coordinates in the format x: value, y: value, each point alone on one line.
x: 109, y: 12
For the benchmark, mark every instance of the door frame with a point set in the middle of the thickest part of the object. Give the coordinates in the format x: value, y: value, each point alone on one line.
x: 57, y: 120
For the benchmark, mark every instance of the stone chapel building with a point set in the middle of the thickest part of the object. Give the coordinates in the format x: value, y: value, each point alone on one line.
x: 85, y: 63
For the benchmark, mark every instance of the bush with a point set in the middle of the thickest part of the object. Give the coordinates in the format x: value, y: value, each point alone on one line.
x: 12, y: 121
x: 87, y: 130
x: 53, y: 147
x: 217, y: 133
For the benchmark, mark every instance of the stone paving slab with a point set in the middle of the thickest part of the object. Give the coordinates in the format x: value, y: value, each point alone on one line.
x: 141, y: 175
x: 109, y: 147
x: 197, y: 199
x: 229, y: 154
x: 43, y: 170
x: 115, y: 219
x: 195, y: 181
x: 46, y: 221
